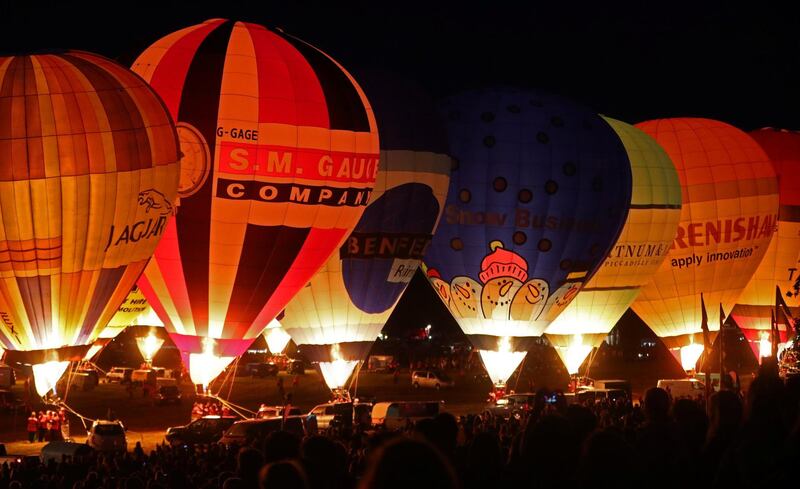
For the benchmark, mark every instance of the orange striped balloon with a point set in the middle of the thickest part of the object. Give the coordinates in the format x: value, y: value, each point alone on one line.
x: 280, y: 155
x: 88, y: 176
x: 728, y: 218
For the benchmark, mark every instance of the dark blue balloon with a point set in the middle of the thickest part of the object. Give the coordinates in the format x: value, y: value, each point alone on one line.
x: 537, y: 197
x: 402, y: 218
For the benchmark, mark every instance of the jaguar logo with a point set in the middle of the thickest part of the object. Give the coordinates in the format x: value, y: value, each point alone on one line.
x: 153, y: 199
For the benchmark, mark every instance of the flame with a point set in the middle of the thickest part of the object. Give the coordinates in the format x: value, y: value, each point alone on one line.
x: 501, y: 364
x: 574, y: 354
x: 690, y: 354
x: 337, y: 371
x: 205, y: 367
x: 764, y: 346
x: 149, y: 346
x: 276, y: 337
x: 46, y: 375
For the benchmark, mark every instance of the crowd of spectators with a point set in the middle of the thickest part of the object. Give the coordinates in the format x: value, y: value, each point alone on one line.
x: 749, y: 441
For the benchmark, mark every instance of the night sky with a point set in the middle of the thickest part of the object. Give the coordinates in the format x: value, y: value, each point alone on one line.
x: 733, y: 61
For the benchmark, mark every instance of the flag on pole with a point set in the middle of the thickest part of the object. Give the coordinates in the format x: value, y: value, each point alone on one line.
x: 783, y: 314
x: 704, y: 321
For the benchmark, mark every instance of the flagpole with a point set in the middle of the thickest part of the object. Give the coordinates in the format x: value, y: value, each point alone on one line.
x: 721, y: 344
x: 706, y: 351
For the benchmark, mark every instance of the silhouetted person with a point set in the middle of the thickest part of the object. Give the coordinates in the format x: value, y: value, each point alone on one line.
x: 286, y: 474
x: 483, y: 465
x: 325, y: 462
x: 723, y: 428
x: 549, y: 449
x: 604, y: 450
x: 756, y: 457
x: 658, y: 443
x: 408, y: 464
x: 280, y: 445
x: 582, y: 419
x: 248, y: 464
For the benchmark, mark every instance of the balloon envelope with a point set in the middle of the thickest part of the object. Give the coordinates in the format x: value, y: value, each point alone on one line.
x: 280, y: 154
x: 730, y: 204
x: 538, y: 196
x: 653, y: 216
x: 753, y: 311
x: 88, y: 174
x: 335, y: 319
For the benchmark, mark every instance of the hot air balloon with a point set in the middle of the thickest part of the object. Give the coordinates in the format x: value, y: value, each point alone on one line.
x: 729, y: 214
x: 280, y: 152
x: 276, y: 337
x: 134, y: 311
x: 88, y: 173
x: 335, y: 319
x: 753, y: 312
x: 538, y: 197
x: 653, y: 217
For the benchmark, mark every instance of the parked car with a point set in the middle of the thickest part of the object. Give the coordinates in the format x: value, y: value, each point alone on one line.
x: 262, y: 369
x: 145, y: 376
x: 512, y: 405
x: 295, y: 367
x: 207, y: 429
x: 85, y: 379
x: 119, y: 374
x: 395, y: 415
x: 597, y: 395
x: 167, y: 394
x: 430, y: 378
x: 107, y: 436
x: 57, y: 451
x: 245, y: 431
x: 265, y: 412
x: 678, y: 388
x: 332, y: 413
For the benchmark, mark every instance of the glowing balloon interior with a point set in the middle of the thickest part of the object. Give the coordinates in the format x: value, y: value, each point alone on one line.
x: 276, y: 337
x: 502, y: 362
x: 46, y: 375
x: 206, y: 366
x: 149, y: 346
x: 574, y: 354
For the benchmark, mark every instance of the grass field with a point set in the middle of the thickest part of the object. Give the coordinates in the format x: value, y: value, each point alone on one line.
x: 147, y: 422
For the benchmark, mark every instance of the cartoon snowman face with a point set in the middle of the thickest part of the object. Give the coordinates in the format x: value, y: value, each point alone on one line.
x: 497, y: 295
x: 465, y: 295
x: 529, y: 301
x: 442, y: 288
x: 561, y: 299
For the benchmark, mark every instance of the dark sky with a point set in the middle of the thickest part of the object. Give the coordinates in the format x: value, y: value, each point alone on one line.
x: 733, y: 61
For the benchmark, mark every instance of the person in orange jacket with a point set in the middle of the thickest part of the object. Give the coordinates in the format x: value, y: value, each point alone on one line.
x: 33, y: 427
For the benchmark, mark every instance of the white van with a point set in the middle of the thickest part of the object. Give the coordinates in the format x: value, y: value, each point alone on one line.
x: 678, y: 388
x: 430, y: 378
x: 395, y: 415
